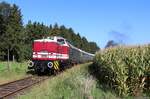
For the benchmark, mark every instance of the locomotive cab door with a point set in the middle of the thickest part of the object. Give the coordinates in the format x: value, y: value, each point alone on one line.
x: 60, y: 47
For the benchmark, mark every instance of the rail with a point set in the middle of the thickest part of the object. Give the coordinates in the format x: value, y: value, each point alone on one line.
x: 13, y: 87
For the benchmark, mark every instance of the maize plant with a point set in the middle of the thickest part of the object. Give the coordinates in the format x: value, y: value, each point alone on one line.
x: 124, y: 69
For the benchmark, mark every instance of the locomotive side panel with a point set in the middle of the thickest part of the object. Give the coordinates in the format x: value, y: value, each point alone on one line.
x: 63, y: 53
x: 63, y: 49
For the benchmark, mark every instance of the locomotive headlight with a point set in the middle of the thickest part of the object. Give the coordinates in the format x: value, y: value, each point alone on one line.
x: 50, y: 64
x: 30, y: 64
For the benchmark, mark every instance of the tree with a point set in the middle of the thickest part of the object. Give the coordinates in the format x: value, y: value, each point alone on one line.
x: 11, y: 36
x: 2, y: 30
x: 93, y: 47
x: 55, y: 31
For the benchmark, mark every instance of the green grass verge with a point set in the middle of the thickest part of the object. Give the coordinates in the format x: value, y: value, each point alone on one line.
x: 16, y: 71
x: 74, y: 83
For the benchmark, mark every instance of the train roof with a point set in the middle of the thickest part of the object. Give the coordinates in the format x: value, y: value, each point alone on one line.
x: 81, y: 50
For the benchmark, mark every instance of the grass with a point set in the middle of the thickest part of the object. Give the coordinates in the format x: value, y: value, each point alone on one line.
x: 16, y: 71
x: 74, y: 83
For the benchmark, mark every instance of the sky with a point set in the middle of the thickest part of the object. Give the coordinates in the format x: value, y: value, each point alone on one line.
x: 125, y: 21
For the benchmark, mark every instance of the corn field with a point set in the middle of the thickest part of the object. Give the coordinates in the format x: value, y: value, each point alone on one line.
x: 125, y: 70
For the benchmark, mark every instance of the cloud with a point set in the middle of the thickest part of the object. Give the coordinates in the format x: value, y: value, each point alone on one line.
x: 119, y: 37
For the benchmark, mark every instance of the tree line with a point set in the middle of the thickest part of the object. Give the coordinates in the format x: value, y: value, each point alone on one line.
x: 16, y: 38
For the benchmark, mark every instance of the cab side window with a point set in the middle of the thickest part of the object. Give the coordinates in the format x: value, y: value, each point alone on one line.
x: 61, y: 41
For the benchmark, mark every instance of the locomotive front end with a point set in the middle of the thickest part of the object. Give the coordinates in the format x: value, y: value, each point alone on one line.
x: 43, y: 55
x: 48, y: 54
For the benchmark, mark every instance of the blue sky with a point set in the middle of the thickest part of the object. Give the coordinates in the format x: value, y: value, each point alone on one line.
x: 126, y: 21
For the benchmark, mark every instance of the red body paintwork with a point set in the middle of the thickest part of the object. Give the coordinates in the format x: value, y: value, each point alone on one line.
x: 45, y: 46
x: 50, y: 51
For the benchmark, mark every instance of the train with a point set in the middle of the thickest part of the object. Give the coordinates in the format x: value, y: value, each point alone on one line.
x: 55, y: 53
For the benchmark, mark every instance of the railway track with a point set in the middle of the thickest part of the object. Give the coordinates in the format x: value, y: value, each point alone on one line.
x: 11, y: 88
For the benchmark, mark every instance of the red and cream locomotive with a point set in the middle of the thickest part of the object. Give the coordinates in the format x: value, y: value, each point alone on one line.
x: 55, y: 53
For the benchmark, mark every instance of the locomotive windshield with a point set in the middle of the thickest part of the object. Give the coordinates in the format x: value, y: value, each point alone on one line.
x: 61, y: 41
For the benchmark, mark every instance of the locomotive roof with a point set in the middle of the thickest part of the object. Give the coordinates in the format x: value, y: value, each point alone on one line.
x: 49, y: 39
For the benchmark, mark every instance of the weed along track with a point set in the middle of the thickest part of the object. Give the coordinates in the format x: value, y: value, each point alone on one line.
x: 12, y: 88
